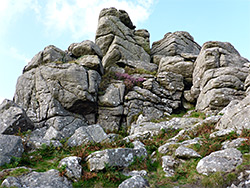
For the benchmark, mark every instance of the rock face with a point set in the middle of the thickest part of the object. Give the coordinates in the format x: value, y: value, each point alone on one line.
x: 218, y: 76
x: 10, y: 146
x: 68, y: 99
x: 120, y: 44
x: 13, y: 118
x: 111, y: 106
x: 83, y: 48
x: 58, y: 93
x: 223, y: 161
x: 175, y: 54
x: 237, y: 117
x: 49, y: 179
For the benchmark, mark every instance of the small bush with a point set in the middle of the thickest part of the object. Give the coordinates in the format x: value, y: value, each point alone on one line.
x: 129, y: 80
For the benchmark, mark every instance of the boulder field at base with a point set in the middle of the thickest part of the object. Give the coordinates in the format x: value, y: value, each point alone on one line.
x: 117, y: 113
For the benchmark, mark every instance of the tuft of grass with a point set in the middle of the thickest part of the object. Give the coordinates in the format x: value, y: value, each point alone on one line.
x: 200, y: 115
x: 131, y: 71
x: 214, y: 180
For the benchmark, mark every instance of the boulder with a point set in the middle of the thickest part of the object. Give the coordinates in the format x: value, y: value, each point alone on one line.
x: 114, y: 95
x: 49, y: 179
x: 220, y: 161
x: 184, y: 152
x: 72, y: 167
x: 59, y: 95
x: 134, y: 182
x: 13, y: 118
x: 120, y: 44
x: 237, y: 117
x: 171, y: 81
x: 87, y: 134
x: 177, y: 65
x: 178, y: 43
x: 47, y: 91
x: 234, y: 143
x: 48, y: 55
x: 83, y: 48
x: 120, y: 157
x: 218, y: 76
x: 196, y: 140
x: 11, y: 146
x: 92, y: 62
x: 175, y: 54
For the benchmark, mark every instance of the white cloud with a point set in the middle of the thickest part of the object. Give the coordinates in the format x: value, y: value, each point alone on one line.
x: 10, y: 10
x: 18, y: 56
x: 80, y: 18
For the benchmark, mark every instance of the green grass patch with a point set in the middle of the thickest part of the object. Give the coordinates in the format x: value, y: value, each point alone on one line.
x: 131, y: 71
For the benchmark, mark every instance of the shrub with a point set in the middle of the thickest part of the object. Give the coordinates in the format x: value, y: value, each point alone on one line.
x: 129, y: 80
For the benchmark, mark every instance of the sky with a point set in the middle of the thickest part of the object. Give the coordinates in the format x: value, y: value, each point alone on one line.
x: 28, y: 26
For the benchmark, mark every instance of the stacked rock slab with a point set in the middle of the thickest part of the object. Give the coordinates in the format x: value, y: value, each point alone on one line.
x: 218, y: 76
x: 238, y: 115
x: 121, y: 46
x: 58, y: 89
x: 175, y: 54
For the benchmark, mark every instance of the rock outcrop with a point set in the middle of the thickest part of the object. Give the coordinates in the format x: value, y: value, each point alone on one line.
x: 175, y: 54
x: 59, y: 92
x: 120, y: 44
x: 108, y: 105
x: 218, y: 77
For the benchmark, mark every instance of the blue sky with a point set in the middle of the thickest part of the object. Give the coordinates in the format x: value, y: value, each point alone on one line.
x: 27, y: 26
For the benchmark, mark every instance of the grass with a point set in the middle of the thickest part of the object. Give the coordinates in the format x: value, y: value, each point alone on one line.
x: 48, y: 157
x: 200, y: 115
x: 131, y: 71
